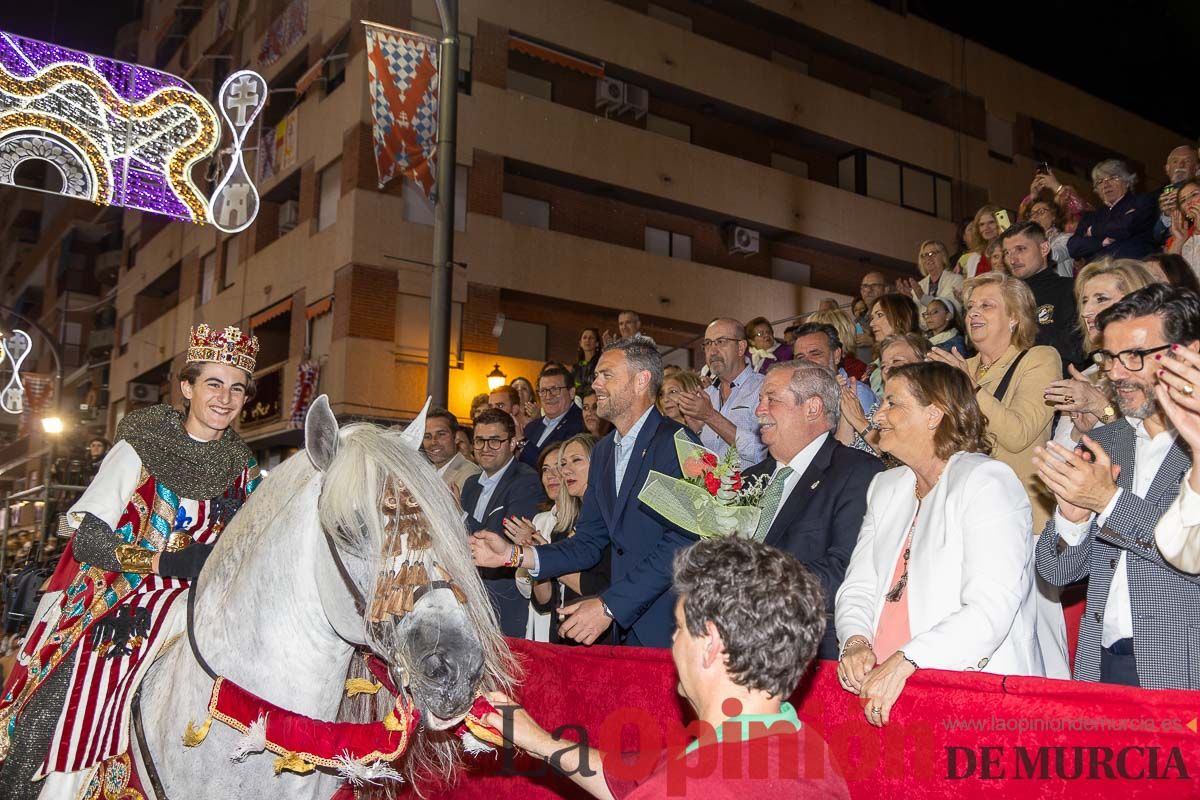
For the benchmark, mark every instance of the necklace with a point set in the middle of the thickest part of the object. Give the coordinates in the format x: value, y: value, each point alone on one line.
x: 897, y: 591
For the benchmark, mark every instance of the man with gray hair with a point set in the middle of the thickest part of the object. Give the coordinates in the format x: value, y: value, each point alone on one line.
x: 727, y: 406
x: 1123, y: 226
x: 639, y: 602
x: 817, y: 495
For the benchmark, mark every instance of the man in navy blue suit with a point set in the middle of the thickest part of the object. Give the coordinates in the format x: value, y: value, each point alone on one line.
x: 1123, y: 227
x: 505, y: 488
x: 814, y: 504
x: 561, y: 418
x: 640, y: 600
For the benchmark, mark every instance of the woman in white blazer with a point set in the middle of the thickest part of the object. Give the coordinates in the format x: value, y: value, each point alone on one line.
x: 939, y: 281
x: 942, y: 576
x: 1178, y: 531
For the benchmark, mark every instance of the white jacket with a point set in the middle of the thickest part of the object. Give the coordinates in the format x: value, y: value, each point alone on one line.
x: 970, y: 574
x: 1178, y: 530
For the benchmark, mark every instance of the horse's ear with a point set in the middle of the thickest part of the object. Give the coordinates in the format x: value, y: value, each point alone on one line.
x: 415, y: 432
x: 321, y: 433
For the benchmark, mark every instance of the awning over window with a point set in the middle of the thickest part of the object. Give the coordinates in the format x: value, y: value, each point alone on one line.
x: 531, y: 48
x: 322, y: 306
x: 271, y: 313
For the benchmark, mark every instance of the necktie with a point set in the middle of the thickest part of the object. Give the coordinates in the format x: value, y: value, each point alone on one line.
x: 771, y: 499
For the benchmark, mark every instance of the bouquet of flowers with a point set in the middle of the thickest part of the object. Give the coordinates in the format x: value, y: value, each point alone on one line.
x: 712, y: 498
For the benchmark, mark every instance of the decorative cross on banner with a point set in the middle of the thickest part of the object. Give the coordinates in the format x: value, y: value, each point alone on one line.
x: 235, y: 201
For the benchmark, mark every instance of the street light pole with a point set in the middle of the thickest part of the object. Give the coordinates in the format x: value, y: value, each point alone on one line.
x: 48, y: 466
x: 437, y: 382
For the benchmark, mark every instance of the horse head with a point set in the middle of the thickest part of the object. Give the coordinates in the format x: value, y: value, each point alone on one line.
x: 398, y: 536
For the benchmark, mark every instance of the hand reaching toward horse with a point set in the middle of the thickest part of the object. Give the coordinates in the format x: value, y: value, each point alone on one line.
x: 490, y: 549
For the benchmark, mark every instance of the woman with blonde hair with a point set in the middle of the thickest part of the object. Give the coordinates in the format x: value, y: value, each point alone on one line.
x: 1009, y: 376
x: 990, y: 221
x: 933, y: 260
x: 1083, y: 400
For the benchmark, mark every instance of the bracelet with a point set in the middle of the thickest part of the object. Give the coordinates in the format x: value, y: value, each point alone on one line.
x: 134, y: 559
x: 516, y: 557
x: 853, y: 640
x: 909, y: 660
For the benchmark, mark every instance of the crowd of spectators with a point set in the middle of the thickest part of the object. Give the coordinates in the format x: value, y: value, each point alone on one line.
x: 945, y: 453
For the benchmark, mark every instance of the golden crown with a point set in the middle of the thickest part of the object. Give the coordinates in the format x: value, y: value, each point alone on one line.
x: 229, y: 346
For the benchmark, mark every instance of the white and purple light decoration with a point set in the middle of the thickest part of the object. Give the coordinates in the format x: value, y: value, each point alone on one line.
x: 117, y: 133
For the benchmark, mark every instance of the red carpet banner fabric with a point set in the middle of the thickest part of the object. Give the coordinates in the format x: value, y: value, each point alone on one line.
x: 953, y: 735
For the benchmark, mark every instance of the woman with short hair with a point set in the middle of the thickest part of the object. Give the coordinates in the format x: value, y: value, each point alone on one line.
x: 856, y: 429
x: 933, y: 260
x: 764, y: 349
x: 942, y: 576
x: 682, y: 382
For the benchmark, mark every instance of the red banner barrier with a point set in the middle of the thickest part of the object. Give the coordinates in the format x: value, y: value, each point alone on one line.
x: 952, y: 735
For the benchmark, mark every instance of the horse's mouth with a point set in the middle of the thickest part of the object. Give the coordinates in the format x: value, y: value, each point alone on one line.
x: 434, y: 722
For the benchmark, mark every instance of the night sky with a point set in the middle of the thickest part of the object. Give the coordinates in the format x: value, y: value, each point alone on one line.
x: 1137, y: 55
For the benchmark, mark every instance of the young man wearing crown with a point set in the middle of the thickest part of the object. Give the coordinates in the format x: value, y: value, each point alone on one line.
x: 140, y: 534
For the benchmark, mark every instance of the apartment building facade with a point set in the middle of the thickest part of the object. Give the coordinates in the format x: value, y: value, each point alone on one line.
x: 680, y: 158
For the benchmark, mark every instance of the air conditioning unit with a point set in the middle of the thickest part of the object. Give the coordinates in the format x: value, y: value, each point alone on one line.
x: 636, y: 100
x: 142, y: 392
x: 289, y: 214
x: 610, y: 94
x: 742, y: 240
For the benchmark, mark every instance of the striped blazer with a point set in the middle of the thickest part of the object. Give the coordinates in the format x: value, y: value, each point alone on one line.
x: 1165, y: 603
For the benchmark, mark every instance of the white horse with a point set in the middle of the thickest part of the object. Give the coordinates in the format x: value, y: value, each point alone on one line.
x: 274, y: 613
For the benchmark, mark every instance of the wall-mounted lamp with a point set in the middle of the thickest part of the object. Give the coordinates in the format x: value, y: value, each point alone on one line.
x: 496, y: 379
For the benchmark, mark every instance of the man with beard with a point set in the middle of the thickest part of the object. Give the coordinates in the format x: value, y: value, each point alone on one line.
x: 642, y: 544
x: 1027, y: 254
x: 1111, y: 491
x: 727, y: 406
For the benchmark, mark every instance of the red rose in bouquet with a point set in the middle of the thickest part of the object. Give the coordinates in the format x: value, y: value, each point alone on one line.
x: 712, y: 483
x: 710, y: 459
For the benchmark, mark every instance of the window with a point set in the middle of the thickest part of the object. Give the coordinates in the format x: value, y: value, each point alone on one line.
x: 229, y: 275
x: 669, y: 127
x: 126, y: 332
x: 895, y: 182
x: 792, y: 271
x: 668, y: 16
x: 208, y: 277
x: 788, y: 164
x: 883, y: 180
x: 667, y: 243
x: 320, y: 336
x: 525, y: 210
x: 412, y: 328
x: 330, y: 190
x: 1000, y: 137
x: 418, y: 208
x: 72, y: 333
x: 528, y: 84
x: 523, y: 340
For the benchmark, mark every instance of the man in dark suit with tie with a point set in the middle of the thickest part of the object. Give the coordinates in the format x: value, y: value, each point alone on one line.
x: 814, y: 504
x: 561, y: 418
x: 505, y: 488
x: 640, y: 600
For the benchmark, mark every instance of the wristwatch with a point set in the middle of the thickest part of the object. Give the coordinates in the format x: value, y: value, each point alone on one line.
x: 607, y: 611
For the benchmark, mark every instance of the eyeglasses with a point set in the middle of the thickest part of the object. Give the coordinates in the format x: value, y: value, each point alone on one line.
x: 1132, y: 360
x: 720, y: 341
x: 1106, y: 180
x: 763, y: 335
x: 872, y: 285
x: 550, y: 391
x: 926, y: 254
x: 489, y: 444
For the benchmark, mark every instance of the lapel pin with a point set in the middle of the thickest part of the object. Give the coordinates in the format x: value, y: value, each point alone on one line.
x: 815, y: 484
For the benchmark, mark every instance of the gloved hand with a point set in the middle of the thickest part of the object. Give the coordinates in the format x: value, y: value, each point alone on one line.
x: 185, y: 563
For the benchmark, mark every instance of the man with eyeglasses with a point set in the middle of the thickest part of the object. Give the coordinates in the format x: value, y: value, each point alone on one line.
x: 727, y: 406
x: 1123, y: 225
x: 440, y: 446
x: 561, y: 418
x: 504, y: 488
x: 873, y: 287
x: 1139, y: 625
